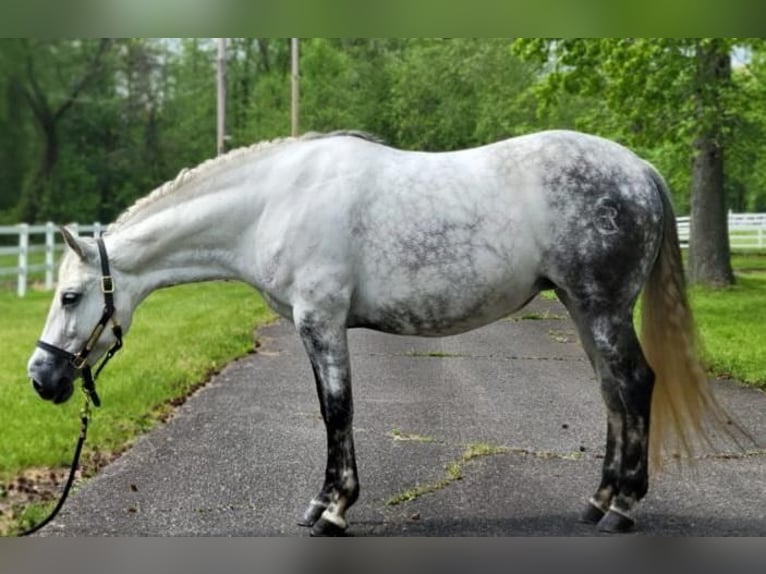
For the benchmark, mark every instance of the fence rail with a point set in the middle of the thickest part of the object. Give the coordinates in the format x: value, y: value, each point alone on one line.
x: 747, y: 231
x: 28, y: 244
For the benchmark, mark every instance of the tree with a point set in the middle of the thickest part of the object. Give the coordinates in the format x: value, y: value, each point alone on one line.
x: 52, y: 76
x: 14, y: 132
x: 452, y: 93
x: 709, y: 254
x: 662, y: 93
x: 189, y: 109
x: 87, y: 126
x: 746, y: 154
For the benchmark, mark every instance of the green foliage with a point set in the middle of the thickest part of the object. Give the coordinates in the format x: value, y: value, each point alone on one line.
x: 747, y: 152
x: 653, y: 95
x: 145, y: 108
x: 648, y: 84
x: 455, y: 93
x: 331, y: 88
x: 188, y: 118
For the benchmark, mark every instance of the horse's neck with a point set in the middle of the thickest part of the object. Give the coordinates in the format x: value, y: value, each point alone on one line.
x: 189, y: 240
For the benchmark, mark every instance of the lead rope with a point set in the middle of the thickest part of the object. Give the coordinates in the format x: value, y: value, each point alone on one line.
x: 91, y: 396
x: 84, y: 419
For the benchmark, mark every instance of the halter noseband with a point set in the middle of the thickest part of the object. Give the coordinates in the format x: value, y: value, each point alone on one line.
x: 79, y: 360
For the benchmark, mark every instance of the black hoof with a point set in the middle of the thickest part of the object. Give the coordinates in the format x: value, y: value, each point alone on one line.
x: 616, y: 523
x: 324, y: 527
x: 312, y: 514
x: 592, y: 514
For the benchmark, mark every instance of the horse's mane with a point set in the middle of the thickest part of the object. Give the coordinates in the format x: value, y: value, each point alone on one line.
x: 187, y: 175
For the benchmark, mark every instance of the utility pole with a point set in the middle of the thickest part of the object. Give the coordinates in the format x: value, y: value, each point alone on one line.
x: 295, y: 76
x: 221, y: 95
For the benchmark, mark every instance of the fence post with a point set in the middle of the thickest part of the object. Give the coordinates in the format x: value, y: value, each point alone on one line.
x: 97, y: 229
x: 21, y: 288
x: 50, y: 246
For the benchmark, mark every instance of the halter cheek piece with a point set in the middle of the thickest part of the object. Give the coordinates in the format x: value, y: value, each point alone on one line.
x: 79, y: 360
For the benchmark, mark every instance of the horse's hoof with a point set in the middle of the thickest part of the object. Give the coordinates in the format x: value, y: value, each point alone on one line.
x: 616, y: 523
x: 312, y: 514
x: 324, y: 527
x: 592, y: 514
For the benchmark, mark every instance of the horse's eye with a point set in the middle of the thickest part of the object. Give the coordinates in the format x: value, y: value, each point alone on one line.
x: 69, y: 298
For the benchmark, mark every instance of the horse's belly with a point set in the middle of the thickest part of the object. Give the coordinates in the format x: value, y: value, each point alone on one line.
x: 438, y: 310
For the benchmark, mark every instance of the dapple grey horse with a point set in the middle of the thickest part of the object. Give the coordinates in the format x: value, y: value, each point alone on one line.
x: 338, y: 231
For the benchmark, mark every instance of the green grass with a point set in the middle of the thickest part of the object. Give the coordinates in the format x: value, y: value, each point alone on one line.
x: 749, y: 262
x: 179, y: 337
x: 549, y: 295
x: 731, y: 321
x: 732, y: 325
x: 453, y: 471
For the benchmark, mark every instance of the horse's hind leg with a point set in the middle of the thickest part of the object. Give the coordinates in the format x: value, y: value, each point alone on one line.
x: 626, y: 385
x: 327, y: 348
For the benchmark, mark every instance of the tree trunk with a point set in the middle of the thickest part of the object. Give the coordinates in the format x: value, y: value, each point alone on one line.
x: 709, y: 256
x: 709, y: 253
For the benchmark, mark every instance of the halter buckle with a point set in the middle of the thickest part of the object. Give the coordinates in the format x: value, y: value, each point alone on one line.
x: 107, y: 284
x: 78, y: 361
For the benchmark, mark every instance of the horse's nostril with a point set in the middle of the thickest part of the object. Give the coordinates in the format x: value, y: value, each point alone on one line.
x: 42, y: 391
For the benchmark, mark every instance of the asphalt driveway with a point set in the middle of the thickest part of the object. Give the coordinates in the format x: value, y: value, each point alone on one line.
x: 497, y: 432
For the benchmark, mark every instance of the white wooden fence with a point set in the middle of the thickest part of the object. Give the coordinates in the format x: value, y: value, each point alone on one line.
x: 747, y: 231
x: 35, y: 239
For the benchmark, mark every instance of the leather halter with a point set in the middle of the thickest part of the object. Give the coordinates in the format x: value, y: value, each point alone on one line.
x: 79, y: 360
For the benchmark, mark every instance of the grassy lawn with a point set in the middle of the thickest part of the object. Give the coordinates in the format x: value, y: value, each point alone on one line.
x: 732, y: 324
x: 731, y: 321
x: 179, y: 337
x: 744, y: 262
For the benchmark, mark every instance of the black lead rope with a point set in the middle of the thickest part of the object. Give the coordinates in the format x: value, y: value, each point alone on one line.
x: 84, y: 418
x: 79, y: 362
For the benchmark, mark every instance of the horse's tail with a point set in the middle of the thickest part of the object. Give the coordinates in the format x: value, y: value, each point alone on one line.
x: 684, y: 410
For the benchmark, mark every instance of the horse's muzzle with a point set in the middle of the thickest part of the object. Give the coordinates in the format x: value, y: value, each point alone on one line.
x: 60, y: 393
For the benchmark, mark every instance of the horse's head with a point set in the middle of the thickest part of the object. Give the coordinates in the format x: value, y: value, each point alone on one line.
x: 77, y: 332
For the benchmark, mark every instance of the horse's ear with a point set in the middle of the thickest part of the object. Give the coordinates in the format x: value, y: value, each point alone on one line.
x: 83, y: 250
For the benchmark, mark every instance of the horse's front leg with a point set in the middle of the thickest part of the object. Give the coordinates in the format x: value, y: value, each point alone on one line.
x: 327, y: 347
